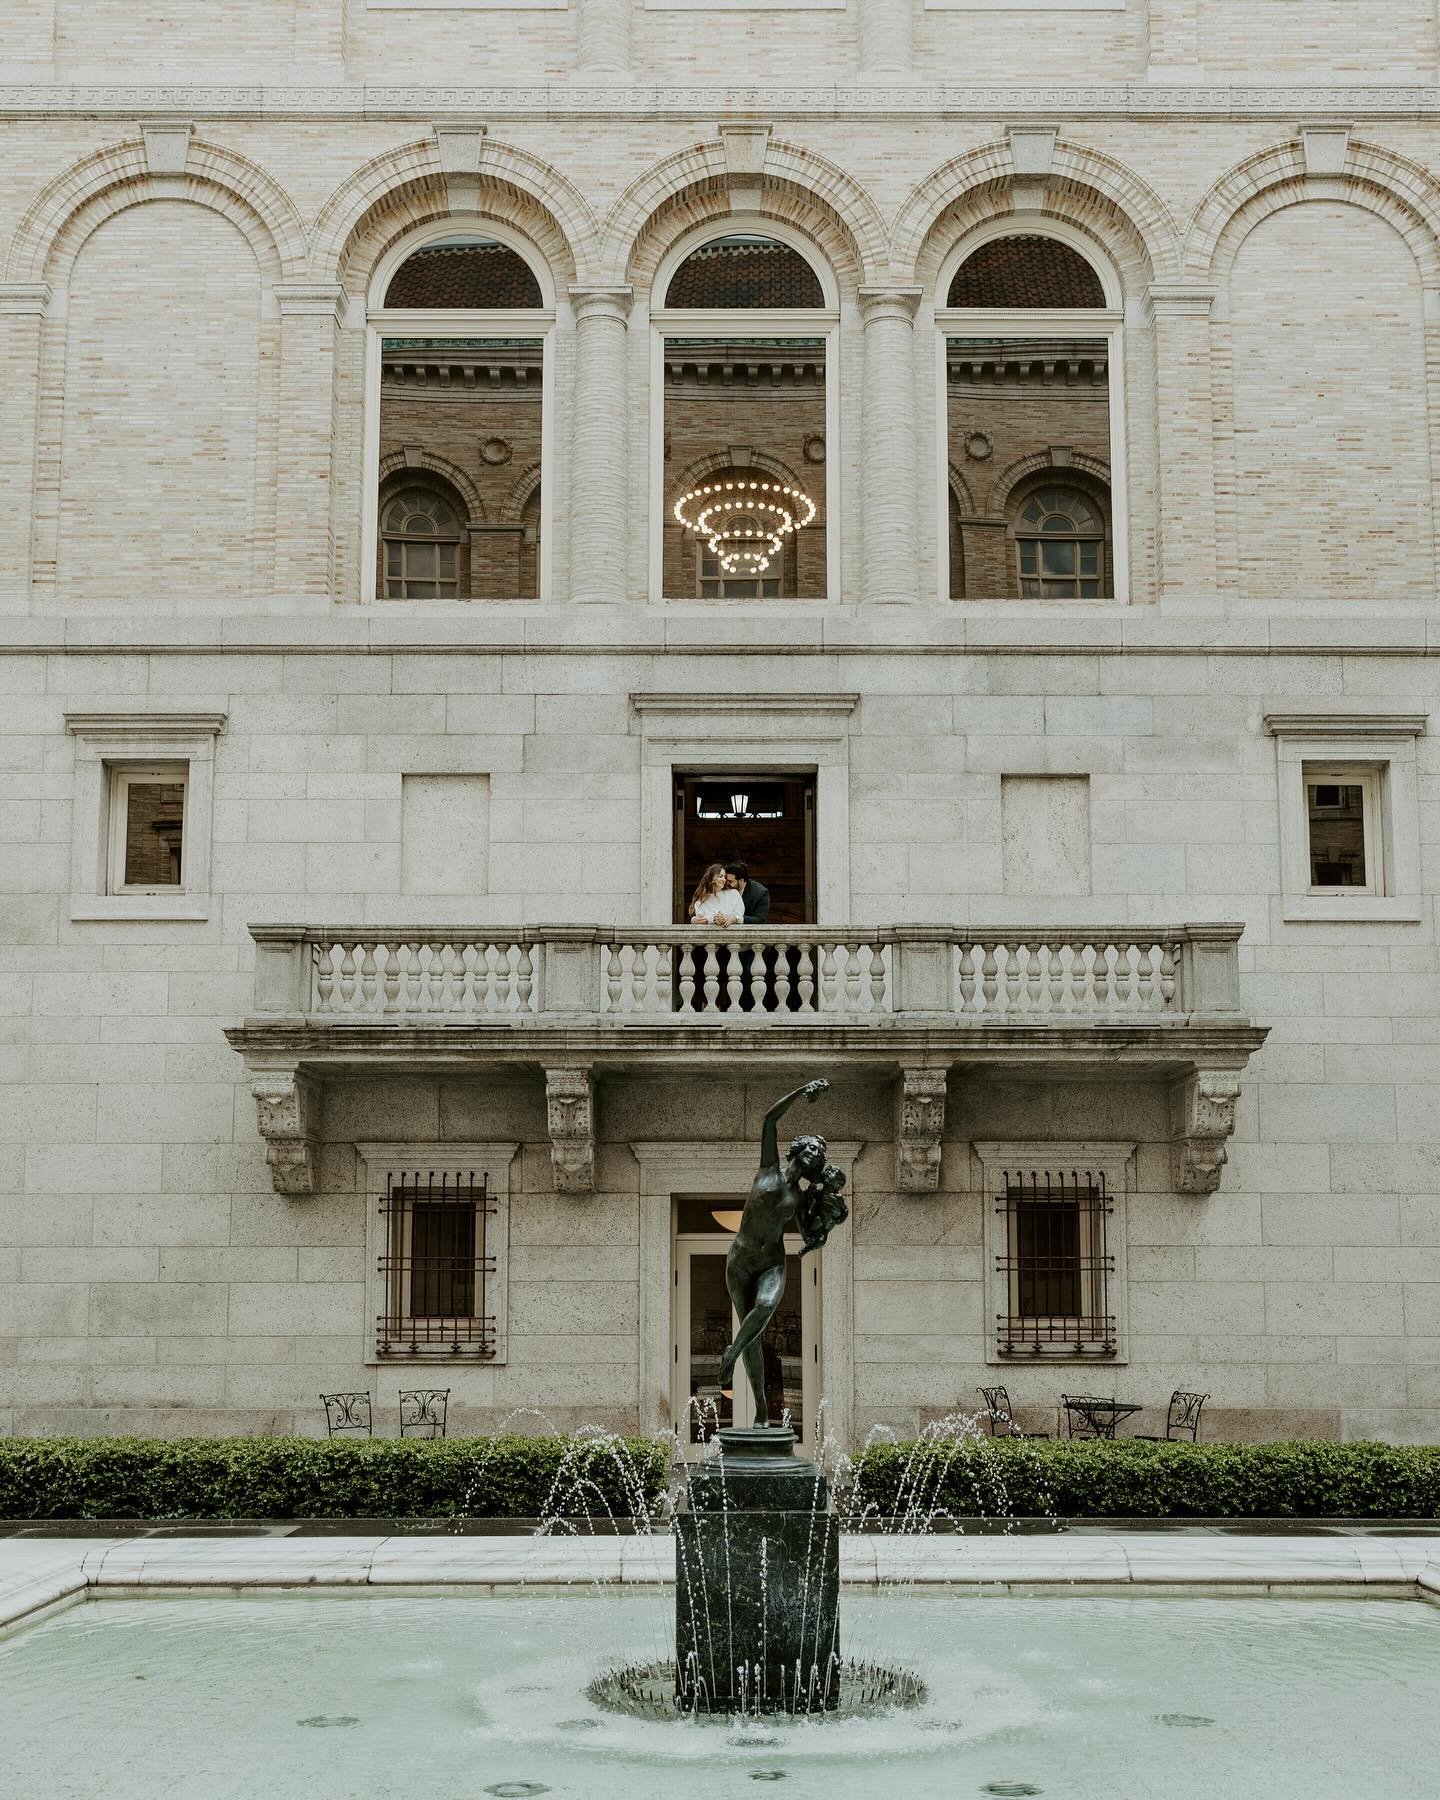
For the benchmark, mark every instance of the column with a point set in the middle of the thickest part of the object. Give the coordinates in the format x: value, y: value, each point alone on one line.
x: 599, y: 490
x: 888, y: 514
x: 887, y: 39
x: 304, y: 514
x: 1172, y: 41
x: 604, y: 38
x: 1185, y: 439
x: 22, y: 320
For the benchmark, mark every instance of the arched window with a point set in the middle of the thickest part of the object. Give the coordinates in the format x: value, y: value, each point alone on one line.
x: 1032, y: 334
x: 1060, y: 546
x: 422, y: 538
x: 460, y: 349
x: 744, y: 342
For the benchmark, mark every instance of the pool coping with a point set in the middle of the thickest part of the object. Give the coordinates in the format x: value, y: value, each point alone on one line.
x: 39, y: 1576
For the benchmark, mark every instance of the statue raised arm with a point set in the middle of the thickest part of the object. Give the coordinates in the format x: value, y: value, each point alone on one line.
x: 802, y: 1194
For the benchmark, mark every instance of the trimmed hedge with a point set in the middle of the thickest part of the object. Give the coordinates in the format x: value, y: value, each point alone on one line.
x: 1128, y: 1479
x: 310, y: 1478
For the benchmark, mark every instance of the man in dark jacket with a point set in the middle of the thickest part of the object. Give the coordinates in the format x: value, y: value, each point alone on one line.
x: 756, y: 897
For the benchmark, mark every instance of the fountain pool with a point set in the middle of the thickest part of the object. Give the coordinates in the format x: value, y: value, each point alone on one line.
x: 439, y: 1697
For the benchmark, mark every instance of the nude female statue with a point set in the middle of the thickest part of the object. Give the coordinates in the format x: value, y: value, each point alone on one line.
x: 804, y: 1193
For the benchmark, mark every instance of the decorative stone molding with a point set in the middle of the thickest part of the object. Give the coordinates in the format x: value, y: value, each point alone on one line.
x: 1325, y: 148
x: 167, y: 147
x: 1204, y: 1118
x: 1178, y: 300
x: 287, y: 1113
x: 745, y: 147
x: 919, y: 1126
x: 310, y: 299
x: 24, y: 299
x: 1032, y: 155
x: 570, y: 1120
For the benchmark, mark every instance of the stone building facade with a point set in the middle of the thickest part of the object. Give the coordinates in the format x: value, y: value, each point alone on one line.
x: 353, y: 1035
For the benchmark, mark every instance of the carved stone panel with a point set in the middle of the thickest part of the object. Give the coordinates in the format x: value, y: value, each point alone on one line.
x: 1205, y: 1117
x: 287, y: 1112
x: 570, y: 1114
x: 919, y: 1125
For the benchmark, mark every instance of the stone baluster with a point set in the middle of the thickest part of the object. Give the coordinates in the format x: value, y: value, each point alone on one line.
x: 888, y: 472
x: 1180, y: 320
x: 887, y: 40
x: 310, y: 314
x: 598, y: 488
x: 23, y: 306
x: 603, y: 29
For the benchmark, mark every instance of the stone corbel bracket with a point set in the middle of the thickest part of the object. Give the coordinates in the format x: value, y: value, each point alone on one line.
x: 287, y: 1112
x: 570, y: 1120
x: 1204, y: 1117
x: 919, y: 1127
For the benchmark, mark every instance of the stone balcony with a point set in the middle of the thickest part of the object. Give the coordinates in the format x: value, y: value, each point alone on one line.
x: 911, y: 1002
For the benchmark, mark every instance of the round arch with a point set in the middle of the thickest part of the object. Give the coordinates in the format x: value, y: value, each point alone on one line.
x: 69, y: 209
x: 1090, y: 470
x: 523, y: 490
x: 397, y: 464
x: 1061, y: 231
x: 431, y: 231
x: 704, y: 466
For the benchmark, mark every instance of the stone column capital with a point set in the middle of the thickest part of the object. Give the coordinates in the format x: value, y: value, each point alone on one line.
x: 601, y: 301
x: 1178, y: 300
x: 24, y: 298
x: 897, y: 303
x: 313, y: 299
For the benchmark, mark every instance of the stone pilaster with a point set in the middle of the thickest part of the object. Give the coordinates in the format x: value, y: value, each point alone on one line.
x: 888, y: 571
x: 22, y: 316
x: 919, y: 1127
x: 304, y: 529
x: 603, y: 30
x: 887, y: 40
x: 287, y: 1113
x: 1180, y: 319
x: 598, y: 461
x: 570, y: 1119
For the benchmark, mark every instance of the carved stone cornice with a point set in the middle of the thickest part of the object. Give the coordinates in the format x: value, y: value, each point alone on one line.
x: 570, y: 1121
x: 919, y: 1127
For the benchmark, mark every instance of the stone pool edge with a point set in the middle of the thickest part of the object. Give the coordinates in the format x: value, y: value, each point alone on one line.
x: 38, y: 1577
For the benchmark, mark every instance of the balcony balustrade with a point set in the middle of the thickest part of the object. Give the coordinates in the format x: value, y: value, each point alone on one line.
x: 909, y: 1001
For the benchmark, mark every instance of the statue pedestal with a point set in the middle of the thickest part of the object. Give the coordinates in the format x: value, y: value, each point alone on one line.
x: 757, y: 1580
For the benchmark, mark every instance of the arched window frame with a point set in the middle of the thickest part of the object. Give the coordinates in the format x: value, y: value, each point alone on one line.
x: 1107, y: 323
x: 440, y: 322
x: 821, y: 322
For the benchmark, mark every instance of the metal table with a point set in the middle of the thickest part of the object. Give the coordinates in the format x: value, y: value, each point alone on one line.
x: 1100, y: 1414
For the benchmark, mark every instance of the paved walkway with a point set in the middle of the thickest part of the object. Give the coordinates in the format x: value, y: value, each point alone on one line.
x: 38, y: 1573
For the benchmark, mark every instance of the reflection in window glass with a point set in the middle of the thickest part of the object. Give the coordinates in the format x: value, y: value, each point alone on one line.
x: 1336, y: 811
x: 460, y: 444
x: 744, y: 270
x: 1029, y: 432
x: 154, y: 833
x: 744, y: 468
x: 468, y: 272
x: 1025, y: 270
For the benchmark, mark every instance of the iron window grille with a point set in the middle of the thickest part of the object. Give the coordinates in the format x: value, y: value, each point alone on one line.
x: 1056, y: 1265
x: 435, y: 1266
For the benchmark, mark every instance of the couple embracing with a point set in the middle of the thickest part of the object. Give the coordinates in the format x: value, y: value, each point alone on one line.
x: 726, y: 896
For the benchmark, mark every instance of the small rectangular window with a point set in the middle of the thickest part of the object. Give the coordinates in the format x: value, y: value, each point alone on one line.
x: 1055, y: 1266
x: 147, y: 829
x: 1343, y: 821
x: 436, y: 1266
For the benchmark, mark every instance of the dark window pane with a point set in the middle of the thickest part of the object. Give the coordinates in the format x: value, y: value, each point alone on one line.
x: 1058, y: 558
x: 442, y: 1261
x: 1047, y: 1249
x: 744, y: 271
x: 154, y: 827
x: 1337, y: 833
x: 474, y: 272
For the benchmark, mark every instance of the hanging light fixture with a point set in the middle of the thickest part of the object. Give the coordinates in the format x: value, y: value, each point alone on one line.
x: 745, y: 523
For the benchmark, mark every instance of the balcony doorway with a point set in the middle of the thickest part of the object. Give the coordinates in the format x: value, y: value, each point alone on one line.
x: 704, y: 1323
x: 755, y: 816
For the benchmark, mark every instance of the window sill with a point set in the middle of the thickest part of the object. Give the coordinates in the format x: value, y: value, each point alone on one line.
x: 186, y: 909
x: 1364, y: 909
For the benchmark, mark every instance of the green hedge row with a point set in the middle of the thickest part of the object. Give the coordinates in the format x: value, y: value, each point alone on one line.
x: 308, y: 1478
x: 1126, y: 1479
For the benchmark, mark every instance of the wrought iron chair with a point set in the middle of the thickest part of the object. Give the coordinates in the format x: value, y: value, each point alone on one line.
x: 1182, y: 1419
x: 422, y: 1411
x: 347, y: 1413
x: 998, y: 1418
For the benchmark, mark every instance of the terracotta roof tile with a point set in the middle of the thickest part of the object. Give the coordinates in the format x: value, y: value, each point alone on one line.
x: 473, y: 275
x: 1025, y: 271
x: 742, y: 274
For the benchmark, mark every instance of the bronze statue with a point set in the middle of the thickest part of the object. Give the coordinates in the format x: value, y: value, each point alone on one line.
x: 803, y: 1194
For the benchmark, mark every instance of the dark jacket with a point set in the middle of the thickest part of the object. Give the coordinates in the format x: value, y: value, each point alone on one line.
x: 756, y: 901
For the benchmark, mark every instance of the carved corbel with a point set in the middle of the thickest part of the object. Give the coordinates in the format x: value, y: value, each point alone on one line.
x: 1204, y: 1118
x: 919, y: 1126
x: 570, y: 1118
x: 287, y: 1111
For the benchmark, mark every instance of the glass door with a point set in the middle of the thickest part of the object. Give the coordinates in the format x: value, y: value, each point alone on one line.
x: 705, y: 1323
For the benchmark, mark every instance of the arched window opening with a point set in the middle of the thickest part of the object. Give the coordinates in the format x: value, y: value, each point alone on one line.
x: 465, y: 272
x: 1060, y: 546
x: 744, y: 270
x: 1031, y: 401
x: 1026, y: 270
x: 745, y: 345
x: 460, y: 350
x: 422, y: 542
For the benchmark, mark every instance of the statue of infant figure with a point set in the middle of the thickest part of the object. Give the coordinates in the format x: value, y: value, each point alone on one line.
x: 803, y: 1193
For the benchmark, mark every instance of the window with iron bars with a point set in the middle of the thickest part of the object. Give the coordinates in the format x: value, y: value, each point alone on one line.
x: 435, y: 1266
x: 1056, y: 1266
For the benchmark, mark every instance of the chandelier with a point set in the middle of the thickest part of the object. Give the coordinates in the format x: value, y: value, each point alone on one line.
x: 745, y: 523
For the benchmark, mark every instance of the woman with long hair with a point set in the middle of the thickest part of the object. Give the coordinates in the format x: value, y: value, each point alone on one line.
x: 715, y: 904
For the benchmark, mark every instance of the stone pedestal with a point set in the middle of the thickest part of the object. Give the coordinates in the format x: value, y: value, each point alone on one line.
x: 757, y: 1580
